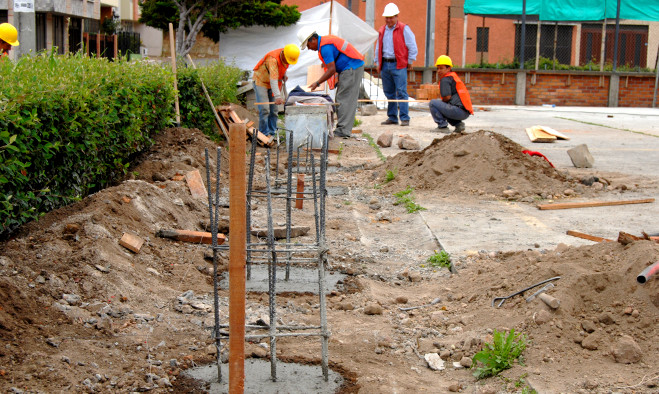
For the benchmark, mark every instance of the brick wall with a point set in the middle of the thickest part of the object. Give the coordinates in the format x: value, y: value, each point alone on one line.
x: 562, y: 88
x: 567, y: 89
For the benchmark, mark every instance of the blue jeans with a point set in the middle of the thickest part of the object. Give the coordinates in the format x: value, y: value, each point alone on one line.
x: 267, y: 113
x: 443, y: 113
x: 394, y: 84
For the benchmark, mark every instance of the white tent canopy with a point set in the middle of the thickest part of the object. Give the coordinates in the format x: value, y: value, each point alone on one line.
x: 244, y: 47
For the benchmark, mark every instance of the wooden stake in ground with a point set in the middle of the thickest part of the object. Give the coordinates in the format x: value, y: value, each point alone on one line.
x: 237, y: 257
x: 587, y: 236
x: 217, y: 117
x: 172, y: 48
x: 299, y: 197
x: 569, y: 205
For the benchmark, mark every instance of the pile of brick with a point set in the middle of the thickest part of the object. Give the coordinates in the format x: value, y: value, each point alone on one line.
x: 428, y: 91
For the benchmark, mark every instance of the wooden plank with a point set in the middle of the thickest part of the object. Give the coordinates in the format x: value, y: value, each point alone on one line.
x: 569, y: 205
x: 537, y: 135
x: 299, y: 197
x: 196, y: 184
x: 333, y: 151
x: 588, y: 236
x: 551, y: 131
x: 131, y: 242
x: 199, y: 237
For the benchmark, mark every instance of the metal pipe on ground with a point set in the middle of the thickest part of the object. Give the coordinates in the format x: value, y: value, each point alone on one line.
x: 648, y: 272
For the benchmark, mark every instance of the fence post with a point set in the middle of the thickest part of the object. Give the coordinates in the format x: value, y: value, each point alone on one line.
x: 98, y: 46
x: 116, y: 45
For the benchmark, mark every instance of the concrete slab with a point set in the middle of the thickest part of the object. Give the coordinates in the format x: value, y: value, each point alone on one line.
x: 301, y: 280
x: 291, y: 378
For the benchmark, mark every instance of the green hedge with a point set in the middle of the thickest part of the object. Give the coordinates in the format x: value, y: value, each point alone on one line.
x: 220, y: 81
x: 69, y: 126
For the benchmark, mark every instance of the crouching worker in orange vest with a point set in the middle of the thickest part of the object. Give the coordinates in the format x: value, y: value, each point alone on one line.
x: 455, y: 104
x: 269, y: 76
x: 338, y: 56
x: 8, y: 38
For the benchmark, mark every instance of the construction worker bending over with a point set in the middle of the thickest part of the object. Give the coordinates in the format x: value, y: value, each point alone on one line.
x: 8, y: 38
x: 270, y: 72
x: 455, y: 104
x: 338, y: 56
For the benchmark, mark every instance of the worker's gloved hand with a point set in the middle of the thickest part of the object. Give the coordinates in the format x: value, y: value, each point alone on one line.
x: 279, y: 101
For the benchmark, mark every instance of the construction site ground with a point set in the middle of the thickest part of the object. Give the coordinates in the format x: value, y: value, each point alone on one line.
x: 80, y: 313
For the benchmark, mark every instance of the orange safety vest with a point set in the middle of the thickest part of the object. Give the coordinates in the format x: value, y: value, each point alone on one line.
x: 401, y: 51
x: 462, y: 91
x: 282, y: 67
x: 344, y: 47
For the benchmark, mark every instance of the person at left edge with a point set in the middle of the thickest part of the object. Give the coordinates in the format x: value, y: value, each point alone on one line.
x: 8, y: 38
x: 269, y: 76
x: 338, y: 56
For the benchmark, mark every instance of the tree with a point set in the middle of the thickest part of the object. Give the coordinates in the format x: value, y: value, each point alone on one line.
x: 213, y: 17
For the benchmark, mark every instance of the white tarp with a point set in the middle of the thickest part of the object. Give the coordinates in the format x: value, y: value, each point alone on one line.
x: 244, y: 47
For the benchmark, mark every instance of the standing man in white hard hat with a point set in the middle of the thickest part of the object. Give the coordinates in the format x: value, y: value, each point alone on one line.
x: 269, y: 76
x: 396, y: 51
x: 338, y: 56
x: 8, y: 38
x: 455, y: 104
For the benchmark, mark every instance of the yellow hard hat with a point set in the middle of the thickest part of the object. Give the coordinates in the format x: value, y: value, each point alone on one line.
x: 9, y: 34
x: 445, y: 60
x: 291, y: 53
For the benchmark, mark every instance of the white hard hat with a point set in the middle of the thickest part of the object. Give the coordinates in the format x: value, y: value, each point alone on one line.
x: 390, y: 10
x: 304, y: 34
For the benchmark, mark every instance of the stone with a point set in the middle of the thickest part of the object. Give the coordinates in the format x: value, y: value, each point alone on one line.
x: 588, y: 326
x: 466, y: 362
x: 383, y: 216
x: 368, y: 110
x: 385, y: 139
x: 590, y: 342
x: 408, y: 143
x: 345, y: 306
x: 454, y: 387
x: 606, y: 319
x: 445, y: 354
x: 581, y: 157
x: 626, y: 350
x: 401, y: 300
x: 71, y: 299
x: 542, y: 317
x: 373, y: 309
x: 434, y: 362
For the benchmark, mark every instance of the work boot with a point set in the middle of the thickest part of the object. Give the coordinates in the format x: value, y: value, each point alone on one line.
x: 459, y: 128
x: 389, y: 121
x: 404, y: 122
x: 444, y: 130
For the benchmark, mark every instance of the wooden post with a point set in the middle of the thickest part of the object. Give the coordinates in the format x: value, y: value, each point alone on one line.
x: 237, y: 257
x: 98, y: 46
x: 300, y: 189
x: 172, y: 53
x: 116, y: 45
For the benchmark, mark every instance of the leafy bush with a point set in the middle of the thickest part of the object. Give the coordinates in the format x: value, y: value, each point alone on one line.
x: 220, y: 81
x: 440, y: 259
x: 69, y: 125
x: 391, y: 175
x: 549, y: 64
x: 406, y: 198
x: 500, y: 355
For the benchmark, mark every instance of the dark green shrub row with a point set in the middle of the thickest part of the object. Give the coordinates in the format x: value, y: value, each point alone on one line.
x: 550, y: 64
x: 220, y: 81
x: 69, y: 125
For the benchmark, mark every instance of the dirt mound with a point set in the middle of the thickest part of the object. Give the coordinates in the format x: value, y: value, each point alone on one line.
x: 481, y: 163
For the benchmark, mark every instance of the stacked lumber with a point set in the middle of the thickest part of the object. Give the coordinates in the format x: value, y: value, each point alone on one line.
x: 228, y: 116
x: 428, y: 91
x: 544, y: 134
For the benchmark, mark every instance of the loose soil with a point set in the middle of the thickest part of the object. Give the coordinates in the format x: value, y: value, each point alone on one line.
x: 80, y: 313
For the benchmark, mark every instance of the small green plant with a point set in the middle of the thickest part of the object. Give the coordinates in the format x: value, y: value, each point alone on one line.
x: 338, y: 157
x: 500, y: 355
x: 357, y: 122
x: 391, y: 175
x: 406, y: 198
x: 375, y: 146
x: 346, y: 202
x: 440, y: 259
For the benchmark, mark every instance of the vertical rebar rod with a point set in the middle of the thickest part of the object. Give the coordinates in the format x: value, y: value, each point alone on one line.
x: 315, y: 198
x: 213, y: 223
x: 248, y: 213
x: 289, y: 182
x: 272, y: 275
x: 322, y: 250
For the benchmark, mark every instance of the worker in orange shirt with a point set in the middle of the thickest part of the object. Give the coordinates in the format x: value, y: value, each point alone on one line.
x: 269, y: 76
x: 8, y: 38
x: 455, y: 104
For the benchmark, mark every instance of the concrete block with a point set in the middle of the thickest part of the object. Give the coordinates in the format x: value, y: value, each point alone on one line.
x: 385, y: 139
x: 581, y: 157
x: 369, y: 110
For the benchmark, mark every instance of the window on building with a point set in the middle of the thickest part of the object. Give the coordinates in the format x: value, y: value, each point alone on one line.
x: 58, y: 33
x: 555, y: 42
x: 75, y: 35
x: 40, y: 30
x: 632, y: 44
x: 482, y: 39
x: 3, y: 16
